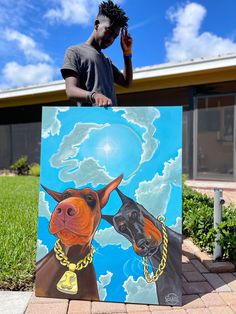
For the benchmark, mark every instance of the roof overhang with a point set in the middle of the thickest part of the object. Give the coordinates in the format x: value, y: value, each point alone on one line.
x: 169, y: 75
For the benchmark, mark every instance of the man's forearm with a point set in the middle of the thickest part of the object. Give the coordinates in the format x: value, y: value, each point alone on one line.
x: 128, y: 70
x: 74, y: 92
x: 77, y: 93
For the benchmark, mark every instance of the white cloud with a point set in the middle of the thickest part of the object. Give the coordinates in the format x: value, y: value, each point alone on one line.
x: 43, y: 206
x: 74, y: 11
x: 140, y: 24
x: 187, y: 42
x: 140, y: 291
x: 12, y: 12
x: 109, y: 236
x: 154, y: 194
x: 27, y: 45
x: 177, y: 227
x: 103, y: 281
x: 42, y: 250
x: 144, y: 118
x: 51, y: 125
x: 15, y: 75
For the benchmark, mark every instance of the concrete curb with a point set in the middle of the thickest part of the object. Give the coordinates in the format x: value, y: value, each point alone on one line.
x: 14, y: 302
x: 207, y: 259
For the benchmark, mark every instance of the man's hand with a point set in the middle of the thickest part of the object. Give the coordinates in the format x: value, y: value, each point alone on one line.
x: 101, y: 100
x: 126, y: 42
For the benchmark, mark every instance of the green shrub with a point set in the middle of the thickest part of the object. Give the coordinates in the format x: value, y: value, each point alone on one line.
x: 228, y: 232
x: 198, y: 216
x: 34, y: 170
x: 21, y: 166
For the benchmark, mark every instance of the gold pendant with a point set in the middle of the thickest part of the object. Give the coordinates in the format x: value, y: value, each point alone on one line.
x: 68, y: 282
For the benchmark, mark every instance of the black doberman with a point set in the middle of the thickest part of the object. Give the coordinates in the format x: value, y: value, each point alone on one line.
x: 146, y: 234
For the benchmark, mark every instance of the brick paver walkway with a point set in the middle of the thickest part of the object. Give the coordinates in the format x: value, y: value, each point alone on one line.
x: 203, y: 292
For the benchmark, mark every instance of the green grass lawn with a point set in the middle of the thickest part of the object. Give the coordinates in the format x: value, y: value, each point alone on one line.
x: 18, y: 231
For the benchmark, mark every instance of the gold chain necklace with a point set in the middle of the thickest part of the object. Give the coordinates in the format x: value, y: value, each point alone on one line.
x: 162, y: 264
x: 68, y: 282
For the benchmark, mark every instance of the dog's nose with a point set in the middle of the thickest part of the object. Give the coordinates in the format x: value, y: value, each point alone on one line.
x: 143, y: 243
x: 65, y: 209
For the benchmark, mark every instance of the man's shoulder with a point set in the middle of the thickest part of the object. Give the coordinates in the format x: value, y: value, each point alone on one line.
x: 79, y: 47
x: 76, y: 48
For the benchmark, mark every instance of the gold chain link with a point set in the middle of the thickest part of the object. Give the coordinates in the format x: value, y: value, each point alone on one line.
x: 63, y: 259
x: 162, y: 264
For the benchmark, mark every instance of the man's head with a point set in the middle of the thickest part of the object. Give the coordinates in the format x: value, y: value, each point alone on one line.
x: 110, y: 19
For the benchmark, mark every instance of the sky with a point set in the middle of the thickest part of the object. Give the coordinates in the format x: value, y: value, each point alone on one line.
x: 35, y: 34
x: 89, y: 147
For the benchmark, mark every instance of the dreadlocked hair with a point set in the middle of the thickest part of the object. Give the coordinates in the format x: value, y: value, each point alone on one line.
x: 114, y: 13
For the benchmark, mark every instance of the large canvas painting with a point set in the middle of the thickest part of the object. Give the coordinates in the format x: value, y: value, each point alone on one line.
x: 110, y: 204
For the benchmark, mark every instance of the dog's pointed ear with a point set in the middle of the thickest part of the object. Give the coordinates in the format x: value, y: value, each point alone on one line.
x: 109, y: 219
x: 56, y: 195
x: 104, y: 193
x: 125, y: 199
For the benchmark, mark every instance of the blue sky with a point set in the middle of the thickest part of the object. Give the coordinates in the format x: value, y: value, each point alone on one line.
x: 89, y: 148
x: 35, y: 34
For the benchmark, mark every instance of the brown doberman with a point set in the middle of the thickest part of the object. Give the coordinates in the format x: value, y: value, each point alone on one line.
x: 67, y: 271
x: 155, y: 242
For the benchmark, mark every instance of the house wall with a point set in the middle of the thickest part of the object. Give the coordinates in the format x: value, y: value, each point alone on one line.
x: 20, y: 127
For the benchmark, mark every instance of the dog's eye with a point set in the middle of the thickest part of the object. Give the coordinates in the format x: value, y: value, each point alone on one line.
x: 66, y: 195
x: 90, y: 200
x: 122, y: 227
x: 134, y: 215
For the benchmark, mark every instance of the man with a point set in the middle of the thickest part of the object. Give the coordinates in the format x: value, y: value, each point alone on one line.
x: 90, y: 75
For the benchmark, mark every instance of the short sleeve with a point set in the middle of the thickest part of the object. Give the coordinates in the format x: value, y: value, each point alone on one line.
x: 71, y: 62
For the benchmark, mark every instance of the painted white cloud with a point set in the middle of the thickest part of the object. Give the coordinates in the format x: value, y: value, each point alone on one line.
x: 43, y: 206
x: 177, y: 227
x: 154, y: 194
x: 81, y: 172
x: 73, y: 11
x: 103, y: 281
x: 42, y: 250
x: 51, y: 125
x: 144, y: 118
x: 84, y: 172
x: 27, y: 45
x: 187, y: 42
x: 70, y: 145
x: 109, y: 236
x: 14, y: 74
x: 140, y: 290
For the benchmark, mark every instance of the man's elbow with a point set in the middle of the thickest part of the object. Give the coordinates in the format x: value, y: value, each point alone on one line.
x: 69, y: 93
x: 128, y: 84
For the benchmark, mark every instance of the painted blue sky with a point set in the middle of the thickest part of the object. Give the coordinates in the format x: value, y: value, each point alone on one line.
x: 35, y: 34
x: 89, y: 147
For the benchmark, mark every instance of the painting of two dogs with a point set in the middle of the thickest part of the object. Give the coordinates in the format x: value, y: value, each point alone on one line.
x: 103, y: 235
x: 75, y: 220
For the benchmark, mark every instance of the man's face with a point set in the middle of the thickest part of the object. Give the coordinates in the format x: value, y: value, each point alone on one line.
x: 105, y: 32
